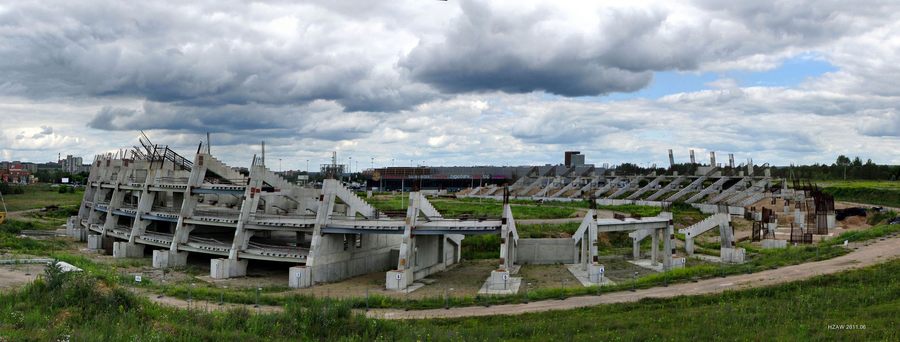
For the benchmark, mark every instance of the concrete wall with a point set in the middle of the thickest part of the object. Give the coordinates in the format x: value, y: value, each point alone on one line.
x: 428, y: 258
x: 334, y: 263
x: 546, y: 251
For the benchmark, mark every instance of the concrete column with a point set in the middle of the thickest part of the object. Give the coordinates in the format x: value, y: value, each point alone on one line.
x: 198, y: 171
x: 299, y: 277
x: 654, y: 250
x: 689, y: 244
x: 592, y: 232
x: 248, y: 207
x: 636, y: 246
x: 145, y: 204
x: 668, y: 234
x: 323, y: 215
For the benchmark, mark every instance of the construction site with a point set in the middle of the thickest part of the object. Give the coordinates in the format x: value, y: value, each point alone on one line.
x: 151, y: 202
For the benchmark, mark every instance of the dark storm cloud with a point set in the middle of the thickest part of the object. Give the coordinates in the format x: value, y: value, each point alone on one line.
x: 328, y: 123
x: 171, y: 54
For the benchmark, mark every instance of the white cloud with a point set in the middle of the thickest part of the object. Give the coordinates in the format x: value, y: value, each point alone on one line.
x: 458, y: 82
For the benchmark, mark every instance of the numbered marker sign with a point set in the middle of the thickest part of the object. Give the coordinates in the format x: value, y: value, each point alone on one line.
x: 506, y: 277
x: 398, y: 276
x: 137, y: 279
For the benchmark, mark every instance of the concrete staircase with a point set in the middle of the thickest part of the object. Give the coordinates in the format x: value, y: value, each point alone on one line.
x: 426, y: 208
x: 530, y: 188
x: 708, y: 190
x: 667, y: 188
x: 568, y: 187
x: 705, y: 225
x: 756, y: 189
x: 219, y: 168
x: 641, y: 191
x: 609, y: 185
x: 685, y: 190
x: 552, y: 185
x: 731, y: 191
x: 756, y: 197
x: 631, y: 185
x: 354, y: 201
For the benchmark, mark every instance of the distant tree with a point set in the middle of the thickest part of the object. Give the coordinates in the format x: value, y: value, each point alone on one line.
x: 842, y: 160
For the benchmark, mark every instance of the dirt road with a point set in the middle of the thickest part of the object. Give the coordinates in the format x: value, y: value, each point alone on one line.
x: 15, y: 276
x: 877, y: 252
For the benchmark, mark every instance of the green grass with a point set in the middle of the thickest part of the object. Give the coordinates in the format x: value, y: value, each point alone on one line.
x: 83, y: 307
x: 40, y: 196
x: 885, y: 193
x: 869, y: 297
x: 453, y: 208
x: 12, y: 244
x: 872, y: 196
x: 861, y: 184
x: 547, y: 230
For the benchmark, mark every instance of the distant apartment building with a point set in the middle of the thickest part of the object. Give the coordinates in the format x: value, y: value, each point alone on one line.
x: 73, y: 164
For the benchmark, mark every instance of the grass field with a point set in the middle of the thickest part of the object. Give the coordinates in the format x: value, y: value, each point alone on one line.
x: 856, y: 305
x: 452, y: 208
x: 886, y: 193
x: 40, y: 196
x: 864, y: 184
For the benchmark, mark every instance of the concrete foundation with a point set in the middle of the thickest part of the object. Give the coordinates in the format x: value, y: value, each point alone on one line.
x: 126, y: 250
x: 227, y: 268
x: 771, y: 243
x: 584, y: 278
x: 300, y: 277
x: 732, y: 255
x: 165, y: 258
x: 94, y: 242
x: 595, y: 273
x: 500, y: 282
x: 397, y: 280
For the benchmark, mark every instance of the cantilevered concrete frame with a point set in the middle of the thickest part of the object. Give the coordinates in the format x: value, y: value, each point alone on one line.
x: 156, y: 198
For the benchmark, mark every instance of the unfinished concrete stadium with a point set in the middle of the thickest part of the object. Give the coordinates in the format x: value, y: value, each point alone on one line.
x: 708, y: 189
x: 153, y: 197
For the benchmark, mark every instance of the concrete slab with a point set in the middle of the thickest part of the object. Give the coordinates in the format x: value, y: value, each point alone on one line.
x: 771, y: 243
x: 709, y: 258
x: 511, y: 287
x: 583, y: 278
x: 646, y: 263
x: 411, y: 288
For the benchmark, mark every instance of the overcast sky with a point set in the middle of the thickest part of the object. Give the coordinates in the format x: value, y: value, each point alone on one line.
x: 453, y: 82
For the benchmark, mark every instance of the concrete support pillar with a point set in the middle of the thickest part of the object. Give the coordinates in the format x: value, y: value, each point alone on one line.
x: 397, y: 279
x: 668, y: 235
x: 654, y: 250
x: 595, y: 273
x: 127, y: 250
x: 689, y: 244
x: 164, y: 258
x: 227, y: 268
x: 299, y: 277
x: 94, y: 242
x: 636, y: 248
x: 403, y: 276
x: 499, y: 280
